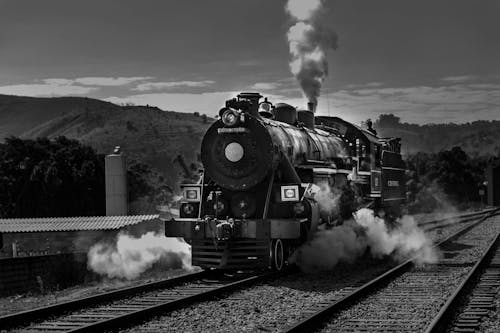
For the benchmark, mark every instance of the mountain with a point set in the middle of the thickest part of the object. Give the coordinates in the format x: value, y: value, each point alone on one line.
x: 156, y: 137
x: 145, y: 133
x: 477, y: 138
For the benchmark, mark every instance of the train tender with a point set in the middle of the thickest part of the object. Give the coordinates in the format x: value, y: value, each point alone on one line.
x: 255, y: 201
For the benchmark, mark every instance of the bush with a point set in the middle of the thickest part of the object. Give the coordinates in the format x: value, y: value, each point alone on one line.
x: 42, y: 178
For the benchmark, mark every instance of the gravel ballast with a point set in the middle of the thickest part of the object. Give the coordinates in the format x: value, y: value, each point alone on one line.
x: 267, y: 307
x: 275, y: 305
x: 410, y: 302
x: 28, y: 301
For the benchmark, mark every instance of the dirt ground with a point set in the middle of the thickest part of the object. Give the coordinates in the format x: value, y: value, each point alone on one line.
x: 16, y: 303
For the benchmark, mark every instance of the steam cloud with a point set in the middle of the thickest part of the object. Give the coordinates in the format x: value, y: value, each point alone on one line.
x: 309, y: 42
x: 363, y: 232
x: 130, y: 256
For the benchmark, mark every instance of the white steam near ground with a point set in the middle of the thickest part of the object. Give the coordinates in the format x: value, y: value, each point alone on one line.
x: 128, y: 257
x: 309, y: 41
x: 363, y: 233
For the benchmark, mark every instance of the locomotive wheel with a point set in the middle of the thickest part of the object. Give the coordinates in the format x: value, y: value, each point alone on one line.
x: 279, y: 255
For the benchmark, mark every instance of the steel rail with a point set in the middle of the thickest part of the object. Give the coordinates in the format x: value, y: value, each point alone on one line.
x: 442, y: 319
x: 23, y: 317
x: 140, y: 307
x: 129, y: 319
x: 450, y: 221
x: 315, y: 320
x: 460, y: 217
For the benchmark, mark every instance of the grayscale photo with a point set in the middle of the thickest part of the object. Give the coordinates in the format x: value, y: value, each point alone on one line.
x: 250, y: 166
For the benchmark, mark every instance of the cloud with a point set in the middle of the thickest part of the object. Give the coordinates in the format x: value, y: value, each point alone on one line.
x: 416, y: 104
x: 209, y: 103
x: 365, y: 85
x: 58, y: 81
x: 265, y: 86
x: 459, y: 79
x: 102, y: 81
x: 148, y: 86
x: 110, y: 81
x: 48, y: 87
x: 66, y: 87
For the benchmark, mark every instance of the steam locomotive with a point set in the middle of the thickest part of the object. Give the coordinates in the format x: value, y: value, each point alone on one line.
x: 263, y: 165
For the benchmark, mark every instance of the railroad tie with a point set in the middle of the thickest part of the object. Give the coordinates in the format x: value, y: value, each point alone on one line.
x: 482, y: 301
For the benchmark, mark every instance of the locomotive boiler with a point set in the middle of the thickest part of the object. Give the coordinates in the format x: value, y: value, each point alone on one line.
x: 262, y: 164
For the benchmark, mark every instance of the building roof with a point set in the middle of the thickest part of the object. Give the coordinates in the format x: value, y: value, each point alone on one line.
x: 79, y: 223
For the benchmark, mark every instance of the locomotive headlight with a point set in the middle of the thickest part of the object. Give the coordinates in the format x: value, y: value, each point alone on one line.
x: 234, y: 152
x: 189, y: 209
x: 299, y: 208
x: 302, y: 209
x: 220, y: 207
x: 243, y: 205
x: 191, y: 193
x: 230, y: 118
x: 290, y: 193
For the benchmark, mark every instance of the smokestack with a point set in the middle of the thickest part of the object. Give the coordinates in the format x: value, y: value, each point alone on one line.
x: 311, y: 106
x: 116, y: 183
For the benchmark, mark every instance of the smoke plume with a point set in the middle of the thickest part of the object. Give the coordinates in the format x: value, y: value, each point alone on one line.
x: 129, y: 257
x: 362, y: 233
x: 309, y: 42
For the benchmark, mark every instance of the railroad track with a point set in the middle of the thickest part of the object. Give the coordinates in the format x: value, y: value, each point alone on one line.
x: 387, y: 303
x: 124, y: 307
x: 481, y: 300
x: 455, y: 219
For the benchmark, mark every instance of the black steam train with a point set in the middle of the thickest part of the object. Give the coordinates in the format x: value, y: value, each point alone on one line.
x: 255, y: 202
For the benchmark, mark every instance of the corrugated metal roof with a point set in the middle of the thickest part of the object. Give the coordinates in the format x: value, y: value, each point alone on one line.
x: 71, y: 223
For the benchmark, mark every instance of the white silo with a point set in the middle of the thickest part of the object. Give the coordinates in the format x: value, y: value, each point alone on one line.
x: 116, y: 183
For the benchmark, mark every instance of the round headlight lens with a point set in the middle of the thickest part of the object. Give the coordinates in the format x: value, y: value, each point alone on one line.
x: 188, y: 209
x: 234, y: 152
x: 243, y: 205
x: 220, y: 206
x: 302, y: 209
x: 191, y: 194
x: 289, y: 193
x: 299, y: 208
x: 230, y: 118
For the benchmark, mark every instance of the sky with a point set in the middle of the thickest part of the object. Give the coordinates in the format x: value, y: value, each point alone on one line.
x: 425, y: 61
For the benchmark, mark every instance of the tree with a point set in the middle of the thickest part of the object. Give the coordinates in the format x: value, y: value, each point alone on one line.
x: 62, y: 177
x: 146, y: 188
x: 387, y: 120
x: 450, y: 176
x: 42, y: 178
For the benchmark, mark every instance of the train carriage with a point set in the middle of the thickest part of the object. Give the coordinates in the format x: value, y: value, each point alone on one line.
x: 255, y: 202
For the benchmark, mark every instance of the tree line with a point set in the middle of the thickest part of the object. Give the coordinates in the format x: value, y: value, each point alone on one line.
x: 450, y: 177
x: 63, y: 177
